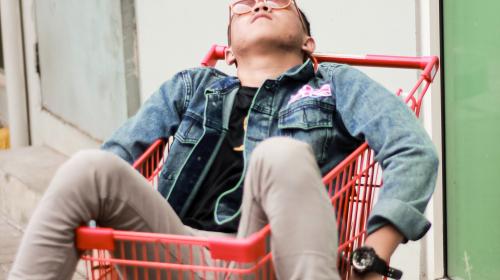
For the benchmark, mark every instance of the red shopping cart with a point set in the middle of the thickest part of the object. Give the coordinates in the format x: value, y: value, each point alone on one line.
x: 352, y: 186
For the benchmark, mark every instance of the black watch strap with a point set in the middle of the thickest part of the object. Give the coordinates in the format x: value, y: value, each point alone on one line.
x: 394, y: 273
x: 365, y: 260
x: 381, y: 267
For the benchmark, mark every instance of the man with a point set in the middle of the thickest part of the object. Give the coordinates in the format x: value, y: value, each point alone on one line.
x: 247, y: 151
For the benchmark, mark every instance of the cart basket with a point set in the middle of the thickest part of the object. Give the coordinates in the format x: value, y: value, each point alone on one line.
x: 352, y: 185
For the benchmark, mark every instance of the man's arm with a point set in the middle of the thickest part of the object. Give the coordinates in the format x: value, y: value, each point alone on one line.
x: 384, y: 241
x: 157, y: 118
x: 404, y: 151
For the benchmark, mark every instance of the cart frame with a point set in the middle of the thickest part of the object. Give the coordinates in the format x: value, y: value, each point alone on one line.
x: 352, y: 185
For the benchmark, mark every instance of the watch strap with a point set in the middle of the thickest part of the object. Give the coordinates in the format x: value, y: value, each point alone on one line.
x: 394, y: 273
x: 381, y: 267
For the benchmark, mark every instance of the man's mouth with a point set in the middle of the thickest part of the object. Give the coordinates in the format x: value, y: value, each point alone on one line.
x: 261, y: 15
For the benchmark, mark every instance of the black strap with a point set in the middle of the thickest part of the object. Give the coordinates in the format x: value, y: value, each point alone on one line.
x: 381, y: 267
x: 394, y: 273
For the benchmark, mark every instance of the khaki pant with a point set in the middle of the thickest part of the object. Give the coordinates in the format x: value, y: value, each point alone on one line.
x: 283, y: 187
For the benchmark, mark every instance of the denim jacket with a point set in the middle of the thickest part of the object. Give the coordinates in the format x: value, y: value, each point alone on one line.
x: 194, y: 108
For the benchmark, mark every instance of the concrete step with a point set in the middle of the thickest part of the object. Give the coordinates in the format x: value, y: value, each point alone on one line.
x: 24, y: 176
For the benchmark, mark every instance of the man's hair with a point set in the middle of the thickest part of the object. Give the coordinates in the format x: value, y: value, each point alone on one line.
x: 307, y: 24
x: 304, y: 20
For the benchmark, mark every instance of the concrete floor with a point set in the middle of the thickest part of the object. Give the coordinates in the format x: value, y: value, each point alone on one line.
x: 10, y: 237
x: 20, y: 191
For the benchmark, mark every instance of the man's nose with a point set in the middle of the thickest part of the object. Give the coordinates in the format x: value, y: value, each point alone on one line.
x: 261, y: 5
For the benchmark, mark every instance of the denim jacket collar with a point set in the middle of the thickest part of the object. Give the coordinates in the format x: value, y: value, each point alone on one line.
x: 302, y: 72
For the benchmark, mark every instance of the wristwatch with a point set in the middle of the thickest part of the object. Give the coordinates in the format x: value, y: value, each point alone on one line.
x: 364, y: 260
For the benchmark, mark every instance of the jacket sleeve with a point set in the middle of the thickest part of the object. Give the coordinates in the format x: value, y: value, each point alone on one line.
x: 402, y: 147
x: 157, y: 118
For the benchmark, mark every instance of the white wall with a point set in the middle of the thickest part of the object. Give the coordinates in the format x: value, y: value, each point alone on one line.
x: 174, y: 35
x: 3, y: 101
x: 12, y: 41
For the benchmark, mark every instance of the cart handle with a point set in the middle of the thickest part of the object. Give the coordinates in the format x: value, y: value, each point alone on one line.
x: 429, y: 64
x: 223, y: 248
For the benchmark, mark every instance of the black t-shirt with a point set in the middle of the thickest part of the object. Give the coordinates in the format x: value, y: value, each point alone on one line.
x: 225, y: 171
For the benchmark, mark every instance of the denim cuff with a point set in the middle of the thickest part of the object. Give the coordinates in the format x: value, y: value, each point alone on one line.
x: 410, y: 222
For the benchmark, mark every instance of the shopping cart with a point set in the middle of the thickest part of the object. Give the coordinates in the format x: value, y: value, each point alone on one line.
x: 352, y: 186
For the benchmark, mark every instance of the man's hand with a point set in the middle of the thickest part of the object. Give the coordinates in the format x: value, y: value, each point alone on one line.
x: 384, y: 241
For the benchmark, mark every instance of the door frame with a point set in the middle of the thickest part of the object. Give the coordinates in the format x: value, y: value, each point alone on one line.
x: 47, y: 128
x: 433, y: 253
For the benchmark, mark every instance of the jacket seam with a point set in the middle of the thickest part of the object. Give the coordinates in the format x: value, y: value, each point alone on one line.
x: 188, y: 91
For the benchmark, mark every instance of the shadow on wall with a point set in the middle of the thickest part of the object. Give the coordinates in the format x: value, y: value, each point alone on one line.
x: 3, y: 101
x: 1, y: 47
x: 4, y: 132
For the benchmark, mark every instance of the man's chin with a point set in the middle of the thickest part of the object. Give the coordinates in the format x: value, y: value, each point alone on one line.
x: 267, y: 42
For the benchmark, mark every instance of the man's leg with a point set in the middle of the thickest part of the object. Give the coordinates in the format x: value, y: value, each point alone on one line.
x: 92, y: 185
x: 283, y: 187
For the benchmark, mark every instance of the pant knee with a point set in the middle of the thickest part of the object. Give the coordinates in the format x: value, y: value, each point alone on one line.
x: 282, y: 151
x: 93, y: 159
x: 81, y: 170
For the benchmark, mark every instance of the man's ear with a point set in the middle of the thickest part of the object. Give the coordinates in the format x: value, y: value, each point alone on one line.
x: 229, y: 56
x: 309, y: 45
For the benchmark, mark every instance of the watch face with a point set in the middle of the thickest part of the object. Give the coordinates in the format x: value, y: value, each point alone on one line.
x: 362, y: 259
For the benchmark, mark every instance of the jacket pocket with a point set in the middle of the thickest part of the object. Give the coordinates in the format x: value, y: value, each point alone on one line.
x: 309, y: 120
x: 307, y: 114
x: 188, y: 133
x: 190, y: 130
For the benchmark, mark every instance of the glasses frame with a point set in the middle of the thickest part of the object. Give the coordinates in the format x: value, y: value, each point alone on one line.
x: 232, y: 5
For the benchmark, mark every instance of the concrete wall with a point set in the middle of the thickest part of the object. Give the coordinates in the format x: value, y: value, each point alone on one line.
x: 87, y: 82
x: 56, y: 129
x: 3, y: 95
x: 15, y: 79
x: 1, y: 46
x: 3, y: 101
x: 174, y: 35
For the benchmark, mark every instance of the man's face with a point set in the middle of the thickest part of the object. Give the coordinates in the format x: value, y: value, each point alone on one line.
x: 268, y: 27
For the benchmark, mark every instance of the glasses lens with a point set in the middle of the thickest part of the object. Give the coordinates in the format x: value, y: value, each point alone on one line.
x: 245, y: 6
x: 241, y: 7
x: 277, y: 4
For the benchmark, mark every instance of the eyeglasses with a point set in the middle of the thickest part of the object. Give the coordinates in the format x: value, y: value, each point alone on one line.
x: 246, y: 6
